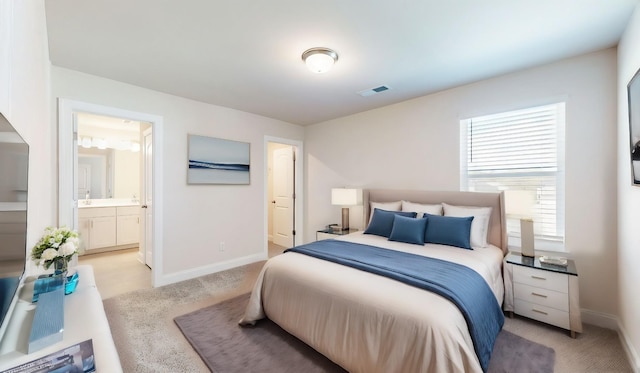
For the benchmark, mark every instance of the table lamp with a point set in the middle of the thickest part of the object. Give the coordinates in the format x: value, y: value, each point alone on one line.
x: 346, y: 197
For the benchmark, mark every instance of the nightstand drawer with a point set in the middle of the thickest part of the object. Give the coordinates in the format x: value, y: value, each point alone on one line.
x: 541, y: 313
x: 541, y: 279
x: 541, y: 296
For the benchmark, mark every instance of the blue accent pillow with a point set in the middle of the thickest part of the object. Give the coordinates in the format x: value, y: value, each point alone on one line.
x: 448, y: 230
x: 409, y: 230
x: 381, y: 222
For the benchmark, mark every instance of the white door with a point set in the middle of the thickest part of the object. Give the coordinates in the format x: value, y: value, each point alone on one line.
x: 146, y: 228
x: 283, y: 196
x: 84, y: 180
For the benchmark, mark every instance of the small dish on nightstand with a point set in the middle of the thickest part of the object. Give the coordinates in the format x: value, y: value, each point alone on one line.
x: 554, y: 260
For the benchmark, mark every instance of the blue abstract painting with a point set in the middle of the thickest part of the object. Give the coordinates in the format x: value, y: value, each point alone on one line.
x: 217, y: 161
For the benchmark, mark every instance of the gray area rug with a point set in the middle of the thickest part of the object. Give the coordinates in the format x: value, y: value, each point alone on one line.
x: 224, y: 346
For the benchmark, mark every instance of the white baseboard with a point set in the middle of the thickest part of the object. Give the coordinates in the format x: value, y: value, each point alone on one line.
x: 603, y: 320
x: 632, y: 355
x: 608, y: 321
x: 209, y: 269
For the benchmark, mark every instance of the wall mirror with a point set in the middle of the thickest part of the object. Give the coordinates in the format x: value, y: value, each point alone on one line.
x: 108, y: 157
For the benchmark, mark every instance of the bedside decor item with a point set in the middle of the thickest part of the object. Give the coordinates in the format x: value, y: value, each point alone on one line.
x: 218, y: 161
x: 56, y: 247
x: 554, y: 260
x: 526, y: 238
x: 346, y: 197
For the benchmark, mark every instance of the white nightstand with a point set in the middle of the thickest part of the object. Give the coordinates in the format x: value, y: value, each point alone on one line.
x: 326, y: 234
x: 543, y: 292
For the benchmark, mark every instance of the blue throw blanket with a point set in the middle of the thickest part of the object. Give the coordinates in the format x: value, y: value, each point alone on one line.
x: 461, y: 285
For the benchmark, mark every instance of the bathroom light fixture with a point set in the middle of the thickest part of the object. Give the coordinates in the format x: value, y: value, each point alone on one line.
x: 319, y: 60
x: 86, y: 142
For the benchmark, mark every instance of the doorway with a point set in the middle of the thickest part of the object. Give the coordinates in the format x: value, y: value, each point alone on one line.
x: 68, y: 202
x: 283, y: 198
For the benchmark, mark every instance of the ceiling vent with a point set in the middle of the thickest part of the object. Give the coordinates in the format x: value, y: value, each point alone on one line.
x: 373, y: 91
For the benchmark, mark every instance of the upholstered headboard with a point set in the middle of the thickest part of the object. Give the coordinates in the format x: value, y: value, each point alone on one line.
x: 497, y: 234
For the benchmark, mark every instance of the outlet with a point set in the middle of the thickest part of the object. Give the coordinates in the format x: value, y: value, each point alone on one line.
x: 221, y: 245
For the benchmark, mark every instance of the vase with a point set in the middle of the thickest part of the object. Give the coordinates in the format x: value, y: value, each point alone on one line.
x: 60, y: 266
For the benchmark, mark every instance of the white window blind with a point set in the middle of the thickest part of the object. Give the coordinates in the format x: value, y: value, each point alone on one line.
x: 521, y: 153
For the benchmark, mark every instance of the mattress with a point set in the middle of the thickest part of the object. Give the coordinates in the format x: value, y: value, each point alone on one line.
x: 369, y: 323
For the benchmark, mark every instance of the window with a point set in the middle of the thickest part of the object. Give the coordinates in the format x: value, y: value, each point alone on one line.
x: 521, y: 153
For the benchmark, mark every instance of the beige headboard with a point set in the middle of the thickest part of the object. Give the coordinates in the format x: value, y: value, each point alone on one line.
x: 497, y: 234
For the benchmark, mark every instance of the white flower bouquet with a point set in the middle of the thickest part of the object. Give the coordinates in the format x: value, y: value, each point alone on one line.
x: 56, y: 245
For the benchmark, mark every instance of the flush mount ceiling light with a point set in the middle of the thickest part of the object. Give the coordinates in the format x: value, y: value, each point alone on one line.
x: 319, y: 60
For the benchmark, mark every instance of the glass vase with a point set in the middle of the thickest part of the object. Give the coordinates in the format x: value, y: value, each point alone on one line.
x: 60, y: 266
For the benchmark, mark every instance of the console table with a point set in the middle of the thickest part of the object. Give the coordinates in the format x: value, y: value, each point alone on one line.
x: 84, y: 318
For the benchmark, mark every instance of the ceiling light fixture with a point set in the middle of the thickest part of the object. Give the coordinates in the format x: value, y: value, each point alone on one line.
x: 319, y: 60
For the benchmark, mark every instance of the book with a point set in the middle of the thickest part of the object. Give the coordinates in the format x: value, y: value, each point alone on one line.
x: 73, y: 359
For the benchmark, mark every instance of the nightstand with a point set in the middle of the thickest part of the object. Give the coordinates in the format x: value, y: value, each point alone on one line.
x: 543, y: 292
x: 326, y: 234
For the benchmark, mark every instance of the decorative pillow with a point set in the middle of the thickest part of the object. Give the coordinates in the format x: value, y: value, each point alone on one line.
x: 422, y: 208
x: 480, y: 226
x: 381, y: 223
x: 448, y: 230
x: 388, y: 206
x: 409, y: 230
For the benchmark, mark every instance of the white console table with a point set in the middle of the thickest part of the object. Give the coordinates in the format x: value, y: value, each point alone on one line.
x: 84, y: 318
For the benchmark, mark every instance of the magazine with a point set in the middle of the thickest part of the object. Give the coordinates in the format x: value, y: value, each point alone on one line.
x: 74, y: 359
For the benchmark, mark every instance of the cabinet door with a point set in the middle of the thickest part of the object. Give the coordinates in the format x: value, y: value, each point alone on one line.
x: 103, y: 232
x: 84, y: 225
x: 128, y: 229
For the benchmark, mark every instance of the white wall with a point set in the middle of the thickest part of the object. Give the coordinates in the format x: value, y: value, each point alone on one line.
x: 415, y: 145
x: 25, y: 101
x: 628, y: 197
x: 196, y: 217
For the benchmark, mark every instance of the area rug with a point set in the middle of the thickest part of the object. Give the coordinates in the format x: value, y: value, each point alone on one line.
x: 225, y: 347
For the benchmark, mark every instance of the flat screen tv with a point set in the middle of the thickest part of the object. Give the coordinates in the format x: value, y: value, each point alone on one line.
x: 633, y: 93
x: 14, y: 165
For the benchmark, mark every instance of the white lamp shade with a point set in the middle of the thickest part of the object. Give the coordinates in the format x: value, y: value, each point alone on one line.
x: 346, y: 197
x: 520, y: 203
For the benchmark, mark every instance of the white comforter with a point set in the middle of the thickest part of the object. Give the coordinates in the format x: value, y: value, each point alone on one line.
x: 369, y: 323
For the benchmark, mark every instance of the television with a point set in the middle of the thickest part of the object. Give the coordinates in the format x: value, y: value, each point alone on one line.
x: 633, y: 94
x: 14, y: 166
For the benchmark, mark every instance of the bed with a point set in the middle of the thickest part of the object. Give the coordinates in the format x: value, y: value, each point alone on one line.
x: 365, y: 322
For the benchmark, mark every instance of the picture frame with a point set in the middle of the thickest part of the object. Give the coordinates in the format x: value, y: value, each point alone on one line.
x: 633, y: 94
x: 218, y: 161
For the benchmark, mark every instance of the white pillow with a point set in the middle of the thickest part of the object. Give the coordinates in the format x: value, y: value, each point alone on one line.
x: 479, y: 225
x: 422, y: 208
x: 389, y: 206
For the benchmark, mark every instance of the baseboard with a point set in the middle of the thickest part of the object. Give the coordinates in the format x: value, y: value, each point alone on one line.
x: 608, y: 321
x: 209, y: 269
x: 603, y: 320
x: 632, y: 355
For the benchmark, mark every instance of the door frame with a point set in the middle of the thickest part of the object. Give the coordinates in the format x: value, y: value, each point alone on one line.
x: 299, y: 179
x: 67, y: 177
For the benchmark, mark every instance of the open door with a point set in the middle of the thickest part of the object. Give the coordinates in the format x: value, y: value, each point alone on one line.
x: 146, y: 234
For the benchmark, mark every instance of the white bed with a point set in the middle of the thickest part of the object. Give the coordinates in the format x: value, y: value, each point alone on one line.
x: 369, y: 323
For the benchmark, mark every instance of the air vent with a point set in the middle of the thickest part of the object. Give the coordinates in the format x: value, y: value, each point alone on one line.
x: 373, y: 91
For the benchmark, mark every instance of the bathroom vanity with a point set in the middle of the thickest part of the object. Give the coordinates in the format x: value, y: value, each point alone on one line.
x: 108, y: 224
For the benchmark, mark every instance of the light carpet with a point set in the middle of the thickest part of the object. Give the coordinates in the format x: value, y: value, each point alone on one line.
x: 148, y: 340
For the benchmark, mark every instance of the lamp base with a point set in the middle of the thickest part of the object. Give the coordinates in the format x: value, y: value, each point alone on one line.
x: 345, y: 218
x: 526, y: 236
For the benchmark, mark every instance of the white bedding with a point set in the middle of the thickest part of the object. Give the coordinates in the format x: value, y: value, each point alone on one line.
x: 368, y: 323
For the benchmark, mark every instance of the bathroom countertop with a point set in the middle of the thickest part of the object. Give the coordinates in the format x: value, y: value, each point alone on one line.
x: 107, y: 202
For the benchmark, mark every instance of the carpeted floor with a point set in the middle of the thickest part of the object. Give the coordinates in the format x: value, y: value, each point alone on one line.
x: 226, y: 347
x: 148, y: 340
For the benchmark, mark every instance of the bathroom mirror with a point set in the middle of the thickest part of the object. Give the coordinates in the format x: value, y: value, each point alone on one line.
x: 633, y: 92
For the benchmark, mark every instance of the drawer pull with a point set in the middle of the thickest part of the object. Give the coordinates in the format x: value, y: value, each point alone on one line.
x: 538, y: 278
x: 538, y: 311
x: 538, y: 295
